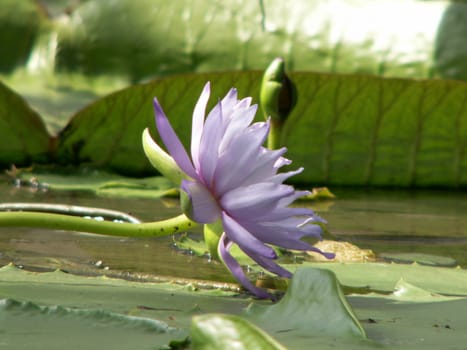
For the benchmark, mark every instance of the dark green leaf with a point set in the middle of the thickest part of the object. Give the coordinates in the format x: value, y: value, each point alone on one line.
x: 23, y: 137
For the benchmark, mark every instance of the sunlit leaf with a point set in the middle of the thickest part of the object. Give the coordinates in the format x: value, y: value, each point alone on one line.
x: 212, y: 36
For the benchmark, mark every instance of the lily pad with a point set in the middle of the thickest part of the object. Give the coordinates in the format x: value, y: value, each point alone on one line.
x: 382, y: 277
x: 314, y: 304
x: 414, y: 318
x: 102, y: 184
x: 419, y: 258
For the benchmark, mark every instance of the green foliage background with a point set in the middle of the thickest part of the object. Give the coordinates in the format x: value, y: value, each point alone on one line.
x: 354, y: 123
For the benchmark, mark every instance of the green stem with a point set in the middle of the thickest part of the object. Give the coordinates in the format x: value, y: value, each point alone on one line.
x: 73, y: 223
x: 274, y: 137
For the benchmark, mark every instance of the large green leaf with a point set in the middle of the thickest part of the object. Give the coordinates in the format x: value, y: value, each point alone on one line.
x: 23, y: 137
x: 328, y: 36
x: 345, y: 129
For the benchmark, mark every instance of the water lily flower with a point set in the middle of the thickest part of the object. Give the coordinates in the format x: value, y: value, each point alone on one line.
x: 231, y: 177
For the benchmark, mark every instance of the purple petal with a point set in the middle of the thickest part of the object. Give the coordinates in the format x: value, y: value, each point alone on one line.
x: 263, y: 167
x: 209, y: 144
x: 281, y: 177
x: 269, y: 265
x: 325, y: 254
x: 283, y: 235
x: 281, y: 162
x: 254, y: 200
x: 229, y: 102
x: 238, y: 160
x: 198, y: 122
x: 240, y: 121
x: 284, y: 213
x: 205, y: 208
x: 172, y: 142
x: 244, y: 239
x: 223, y: 249
x: 244, y: 103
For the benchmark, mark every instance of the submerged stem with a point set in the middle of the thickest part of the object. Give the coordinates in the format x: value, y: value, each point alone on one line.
x: 73, y: 223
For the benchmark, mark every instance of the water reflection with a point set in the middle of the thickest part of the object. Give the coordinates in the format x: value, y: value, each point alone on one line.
x: 432, y: 222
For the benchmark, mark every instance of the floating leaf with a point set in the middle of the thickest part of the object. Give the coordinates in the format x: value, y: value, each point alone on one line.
x: 58, y: 310
x: 319, y: 193
x: 383, y: 277
x: 314, y: 304
x: 419, y: 258
x: 102, y: 184
x: 212, y: 332
x: 417, y: 319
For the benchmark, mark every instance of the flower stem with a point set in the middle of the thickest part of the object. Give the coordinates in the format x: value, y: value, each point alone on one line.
x: 274, y: 137
x: 74, y: 223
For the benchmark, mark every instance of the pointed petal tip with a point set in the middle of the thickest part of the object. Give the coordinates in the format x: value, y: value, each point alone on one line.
x: 158, y: 111
x: 234, y: 267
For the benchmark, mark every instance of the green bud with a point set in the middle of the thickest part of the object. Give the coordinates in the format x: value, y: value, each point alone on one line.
x: 162, y: 161
x: 278, y: 93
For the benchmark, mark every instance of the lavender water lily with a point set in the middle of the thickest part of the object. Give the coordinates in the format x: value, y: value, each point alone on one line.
x: 232, y: 179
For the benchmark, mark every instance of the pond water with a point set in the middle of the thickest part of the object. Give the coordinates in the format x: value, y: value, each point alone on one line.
x: 386, y: 221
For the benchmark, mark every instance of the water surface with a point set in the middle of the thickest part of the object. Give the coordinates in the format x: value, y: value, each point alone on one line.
x: 431, y: 222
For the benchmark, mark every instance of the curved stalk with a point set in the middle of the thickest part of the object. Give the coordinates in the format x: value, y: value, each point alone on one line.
x: 74, y: 223
x: 72, y: 210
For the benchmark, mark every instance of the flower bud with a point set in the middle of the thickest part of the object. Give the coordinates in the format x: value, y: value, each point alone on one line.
x: 278, y: 94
